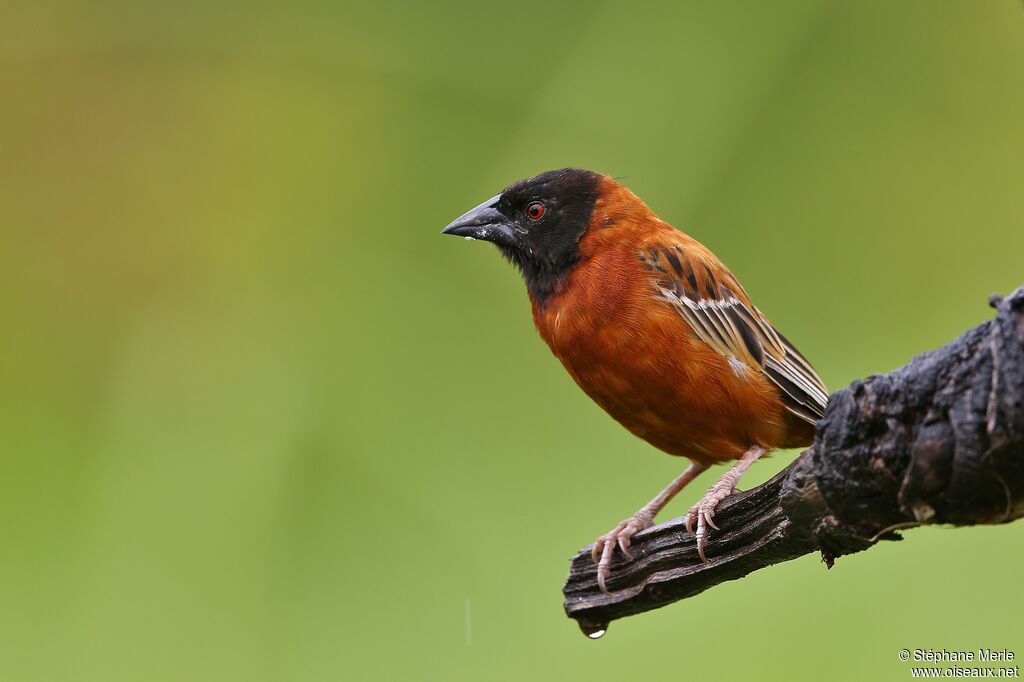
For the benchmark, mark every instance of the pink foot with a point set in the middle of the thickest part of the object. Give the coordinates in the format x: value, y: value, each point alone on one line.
x: 726, y: 486
x: 604, y: 547
x: 704, y: 511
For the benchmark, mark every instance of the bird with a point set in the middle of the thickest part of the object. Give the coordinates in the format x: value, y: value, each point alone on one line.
x: 656, y: 330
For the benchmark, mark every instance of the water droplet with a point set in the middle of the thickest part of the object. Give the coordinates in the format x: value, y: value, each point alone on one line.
x: 593, y: 630
x: 469, y: 239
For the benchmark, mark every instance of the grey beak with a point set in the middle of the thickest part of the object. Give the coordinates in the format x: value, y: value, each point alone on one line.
x: 484, y: 222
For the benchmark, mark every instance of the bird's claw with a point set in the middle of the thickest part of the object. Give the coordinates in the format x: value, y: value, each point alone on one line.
x: 704, y: 511
x: 604, y: 546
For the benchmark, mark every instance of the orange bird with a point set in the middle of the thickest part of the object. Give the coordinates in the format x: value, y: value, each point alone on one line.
x: 655, y: 329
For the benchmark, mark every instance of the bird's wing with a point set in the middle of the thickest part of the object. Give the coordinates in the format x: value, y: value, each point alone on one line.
x: 713, y: 303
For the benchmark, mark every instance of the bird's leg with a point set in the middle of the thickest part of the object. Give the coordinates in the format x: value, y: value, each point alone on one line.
x: 604, y: 547
x: 704, y: 510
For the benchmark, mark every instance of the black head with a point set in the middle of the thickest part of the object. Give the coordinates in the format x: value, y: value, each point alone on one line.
x: 537, y: 224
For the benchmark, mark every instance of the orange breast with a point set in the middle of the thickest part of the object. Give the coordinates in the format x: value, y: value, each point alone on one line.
x: 640, y: 361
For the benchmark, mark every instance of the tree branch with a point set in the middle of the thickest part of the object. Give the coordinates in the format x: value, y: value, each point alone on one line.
x: 938, y: 441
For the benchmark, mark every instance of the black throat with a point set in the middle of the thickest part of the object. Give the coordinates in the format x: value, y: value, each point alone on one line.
x: 544, y: 278
x: 549, y: 249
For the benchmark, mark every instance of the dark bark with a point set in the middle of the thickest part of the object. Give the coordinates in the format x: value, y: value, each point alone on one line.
x: 938, y: 441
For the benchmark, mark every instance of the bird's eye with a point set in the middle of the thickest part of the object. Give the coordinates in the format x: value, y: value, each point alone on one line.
x: 535, y: 210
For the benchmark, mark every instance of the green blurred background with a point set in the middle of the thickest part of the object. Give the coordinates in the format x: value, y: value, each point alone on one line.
x: 262, y: 422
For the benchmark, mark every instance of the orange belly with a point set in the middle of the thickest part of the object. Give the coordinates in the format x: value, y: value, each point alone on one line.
x: 641, y: 362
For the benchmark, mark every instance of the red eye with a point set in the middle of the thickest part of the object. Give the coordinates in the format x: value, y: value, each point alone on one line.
x: 535, y: 210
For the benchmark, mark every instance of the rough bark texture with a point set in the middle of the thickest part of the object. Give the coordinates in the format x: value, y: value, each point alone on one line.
x: 940, y: 440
